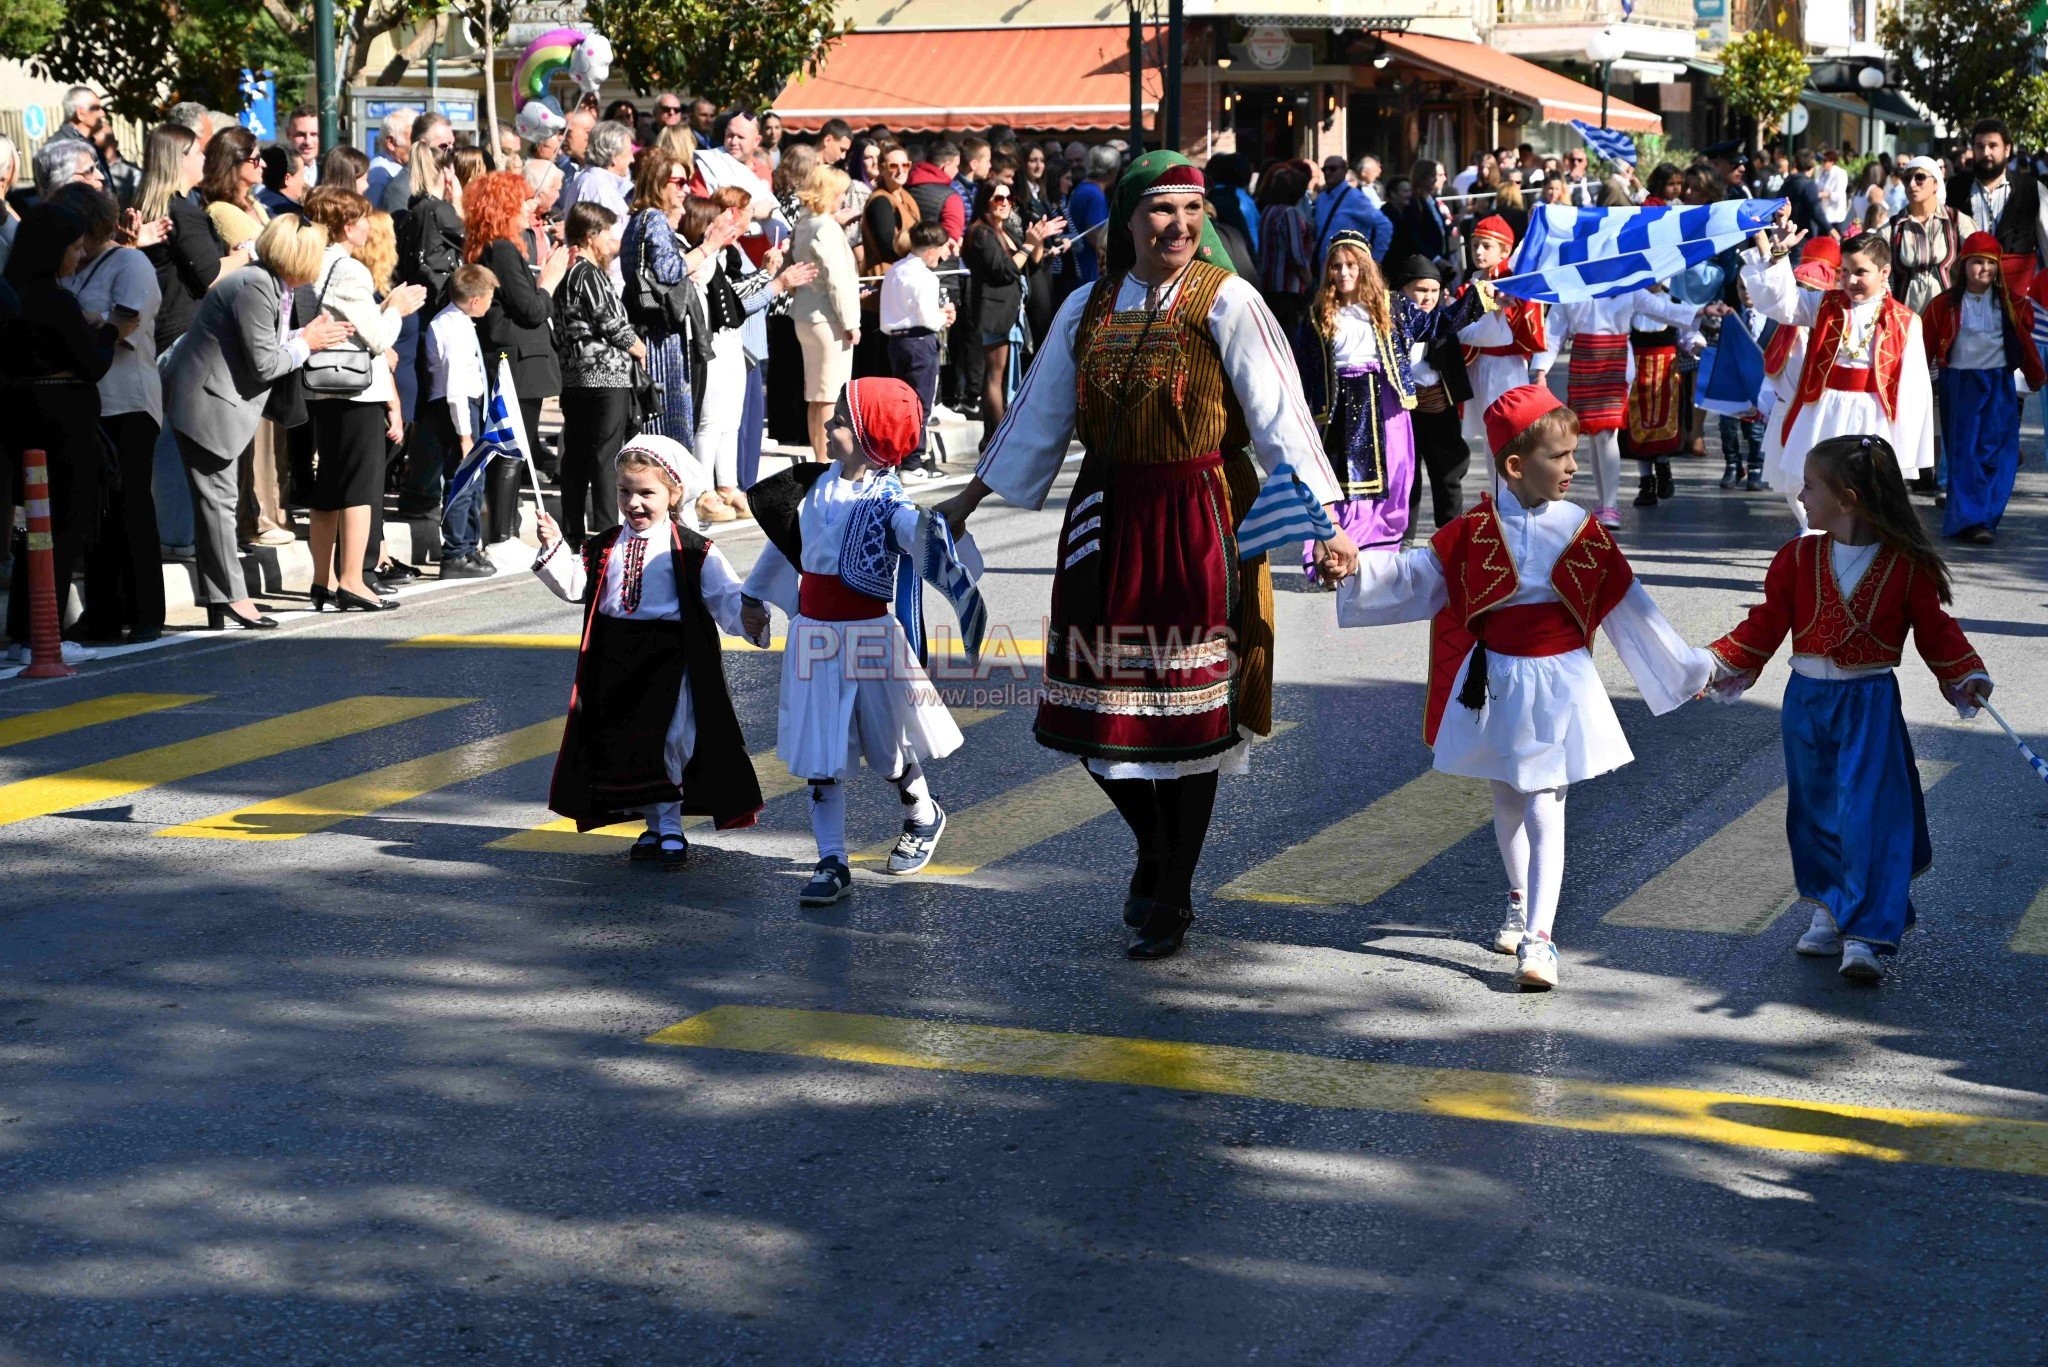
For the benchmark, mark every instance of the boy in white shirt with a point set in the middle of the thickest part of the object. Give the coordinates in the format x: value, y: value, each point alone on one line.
x: 454, y: 415
x: 915, y: 311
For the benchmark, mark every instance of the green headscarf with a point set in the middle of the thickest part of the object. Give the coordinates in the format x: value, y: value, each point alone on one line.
x: 1140, y: 176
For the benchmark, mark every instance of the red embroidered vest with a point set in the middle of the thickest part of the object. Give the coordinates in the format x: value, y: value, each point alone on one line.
x: 1887, y: 354
x: 1590, y: 578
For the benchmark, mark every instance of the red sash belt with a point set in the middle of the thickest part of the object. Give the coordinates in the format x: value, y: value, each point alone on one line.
x: 1530, y: 629
x: 1853, y: 379
x: 826, y: 598
x: 1502, y: 351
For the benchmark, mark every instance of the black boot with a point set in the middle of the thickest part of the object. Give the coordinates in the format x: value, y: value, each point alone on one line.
x: 1162, y: 933
x: 1646, y: 497
x: 1664, y: 486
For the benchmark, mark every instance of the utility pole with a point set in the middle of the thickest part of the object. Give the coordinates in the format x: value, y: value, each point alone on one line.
x: 487, y: 136
x: 1170, y: 102
x: 328, y: 98
x: 1137, y: 82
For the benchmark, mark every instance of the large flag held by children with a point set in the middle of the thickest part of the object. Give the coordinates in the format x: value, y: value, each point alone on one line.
x: 1571, y: 255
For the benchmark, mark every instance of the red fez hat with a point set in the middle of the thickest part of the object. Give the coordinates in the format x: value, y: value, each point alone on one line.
x: 1981, y: 244
x: 888, y: 422
x: 1819, y: 260
x: 1495, y: 227
x: 1510, y: 415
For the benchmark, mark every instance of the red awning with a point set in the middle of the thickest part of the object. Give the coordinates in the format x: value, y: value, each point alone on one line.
x: 1555, y: 98
x: 1077, y: 78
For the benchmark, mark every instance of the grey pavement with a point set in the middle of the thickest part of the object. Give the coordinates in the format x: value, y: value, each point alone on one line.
x: 383, y: 1093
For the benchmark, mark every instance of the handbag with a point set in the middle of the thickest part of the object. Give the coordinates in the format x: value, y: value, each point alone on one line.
x: 339, y: 372
x: 647, y: 399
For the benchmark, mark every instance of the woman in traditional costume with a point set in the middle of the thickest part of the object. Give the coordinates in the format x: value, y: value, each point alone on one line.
x: 1159, y: 653
x: 651, y: 729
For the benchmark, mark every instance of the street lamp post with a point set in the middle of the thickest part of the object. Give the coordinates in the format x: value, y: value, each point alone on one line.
x: 325, y: 95
x: 1604, y: 50
x: 1871, y: 78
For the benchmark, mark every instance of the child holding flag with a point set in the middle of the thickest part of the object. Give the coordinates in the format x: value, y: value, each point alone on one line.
x: 1516, y: 589
x: 1508, y: 345
x: 1857, y: 823
x: 651, y: 727
x: 847, y: 559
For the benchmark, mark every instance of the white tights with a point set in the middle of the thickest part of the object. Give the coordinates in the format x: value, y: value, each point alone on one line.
x: 664, y: 818
x: 828, y: 808
x: 1606, y: 468
x: 1529, y: 828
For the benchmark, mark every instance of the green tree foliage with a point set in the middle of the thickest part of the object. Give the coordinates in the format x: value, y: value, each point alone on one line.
x: 728, y: 53
x: 1762, y: 75
x: 1969, y: 61
x: 27, y: 25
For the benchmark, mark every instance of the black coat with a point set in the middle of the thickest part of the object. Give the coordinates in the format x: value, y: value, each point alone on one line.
x: 187, y: 263
x: 998, y: 284
x: 519, y: 324
x: 1807, y: 214
x: 2016, y: 231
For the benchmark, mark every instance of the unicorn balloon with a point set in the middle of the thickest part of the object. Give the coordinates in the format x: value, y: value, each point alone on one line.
x: 585, y: 57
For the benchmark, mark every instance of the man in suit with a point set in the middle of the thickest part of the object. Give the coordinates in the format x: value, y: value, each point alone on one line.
x: 2000, y: 198
x: 217, y: 382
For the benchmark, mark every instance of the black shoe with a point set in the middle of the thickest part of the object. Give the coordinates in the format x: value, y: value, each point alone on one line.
x: 1162, y: 933
x: 831, y: 881
x: 1731, y: 477
x: 344, y: 600
x: 1979, y: 536
x: 221, y: 617
x: 1648, y: 497
x: 646, y: 847
x: 320, y: 596
x: 137, y: 635
x: 1136, y: 910
x: 397, y: 572
x: 464, y: 567
x: 675, y: 852
x: 1665, y: 488
x: 483, y: 562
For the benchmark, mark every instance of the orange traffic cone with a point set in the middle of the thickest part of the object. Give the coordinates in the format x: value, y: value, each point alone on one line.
x: 45, y: 621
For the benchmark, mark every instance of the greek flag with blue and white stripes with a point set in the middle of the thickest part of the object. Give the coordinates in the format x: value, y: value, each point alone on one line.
x: 1572, y: 255
x: 1610, y: 144
x: 503, y: 437
x: 1284, y: 514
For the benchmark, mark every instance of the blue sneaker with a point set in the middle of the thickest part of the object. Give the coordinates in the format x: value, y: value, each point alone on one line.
x: 831, y: 881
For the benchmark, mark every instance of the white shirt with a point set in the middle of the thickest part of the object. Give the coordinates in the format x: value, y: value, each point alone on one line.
x: 822, y: 518
x: 1025, y: 456
x: 455, y: 364
x: 1355, y: 343
x: 1833, y: 184
x: 1980, y: 341
x: 123, y: 277
x: 911, y: 297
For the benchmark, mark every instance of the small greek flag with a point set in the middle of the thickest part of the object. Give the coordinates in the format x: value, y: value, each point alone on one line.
x: 504, y: 436
x: 1572, y: 255
x: 1284, y: 514
x: 1610, y: 144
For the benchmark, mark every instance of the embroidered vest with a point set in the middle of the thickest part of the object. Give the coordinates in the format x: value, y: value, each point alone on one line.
x: 1887, y: 354
x: 1152, y: 387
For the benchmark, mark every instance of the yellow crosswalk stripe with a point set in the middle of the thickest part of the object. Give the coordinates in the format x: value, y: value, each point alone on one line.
x: 2032, y: 935
x: 316, y: 809
x: 999, y: 647
x: 76, y: 716
x: 114, y: 778
x: 560, y: 836
x: 1368, y: 854
x: 1736, y: 882
x: 1941, y: 1138
x: 1027, y: 815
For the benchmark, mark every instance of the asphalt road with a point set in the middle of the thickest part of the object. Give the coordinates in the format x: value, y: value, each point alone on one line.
x: 316, y: 1045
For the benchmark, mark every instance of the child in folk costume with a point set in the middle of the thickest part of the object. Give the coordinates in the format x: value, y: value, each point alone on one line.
x: 1742, y: 434
x: 1660, y: 391
x: 1604, y: 372
x: 651, y: 728
x: 1516, y: 589
x: 1978, y: 333
x: 1353, y: 353
x: 1508, y: 346
x: 1436, y: 365
x: 1865, y: 368
x: 847, y: 559
x: 1819, y: 270
x: 1857, y: 823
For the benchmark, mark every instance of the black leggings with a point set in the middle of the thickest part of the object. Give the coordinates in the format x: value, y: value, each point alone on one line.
x: 1169, y: 819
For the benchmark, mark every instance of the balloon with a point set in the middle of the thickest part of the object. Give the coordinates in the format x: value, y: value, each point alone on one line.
x: 546, y: 57
x: 538, y: 120
x: 591, y: 63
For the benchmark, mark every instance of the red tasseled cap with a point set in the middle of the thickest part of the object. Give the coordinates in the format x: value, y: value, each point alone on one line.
x: 1510, y: 415
x: 887, y: 419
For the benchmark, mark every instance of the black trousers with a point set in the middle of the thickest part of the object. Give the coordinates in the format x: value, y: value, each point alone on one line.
x: 595, y: 424
x: 124, y: 581
x: 63, y: 422
x: 1441, y: 450
x: 503, y: 480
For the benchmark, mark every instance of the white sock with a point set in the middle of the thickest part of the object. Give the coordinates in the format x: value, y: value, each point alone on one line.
x: 1607, y: 468
x: 828, y: 819
x: 1543, y: 819
x: 1508, y: 833
x: 917, y: 796
x: 664, y: 818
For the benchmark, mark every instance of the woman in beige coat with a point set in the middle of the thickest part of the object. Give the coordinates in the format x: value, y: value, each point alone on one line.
x: 826, y: 311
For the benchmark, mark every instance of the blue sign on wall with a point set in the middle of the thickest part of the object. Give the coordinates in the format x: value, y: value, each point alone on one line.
x: 34, y: 121
x: 259, y: 104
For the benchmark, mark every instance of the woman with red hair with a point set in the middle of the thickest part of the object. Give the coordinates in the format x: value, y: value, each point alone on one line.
x: 497, y: 209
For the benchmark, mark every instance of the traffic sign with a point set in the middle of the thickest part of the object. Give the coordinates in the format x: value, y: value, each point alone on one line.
x: 259, y: 104
x: 34, y: 121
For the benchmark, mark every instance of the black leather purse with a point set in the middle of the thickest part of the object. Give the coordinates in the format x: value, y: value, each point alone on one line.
x: 339, y: 372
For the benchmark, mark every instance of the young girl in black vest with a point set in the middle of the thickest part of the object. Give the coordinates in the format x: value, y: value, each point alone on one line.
x: 651, y: 727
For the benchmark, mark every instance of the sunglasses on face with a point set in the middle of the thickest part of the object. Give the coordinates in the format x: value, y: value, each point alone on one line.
x: 1919, y: 178
x: 667, y: 109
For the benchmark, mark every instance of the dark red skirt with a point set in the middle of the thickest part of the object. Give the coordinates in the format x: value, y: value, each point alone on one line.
x: 1141, y: 658
x: 1599, y: 381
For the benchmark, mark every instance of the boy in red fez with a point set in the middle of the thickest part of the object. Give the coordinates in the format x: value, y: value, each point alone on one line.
x: 1978, y: 333
x: 1515, y: 590
x: 847, y: 559
x: 1509, y: 345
